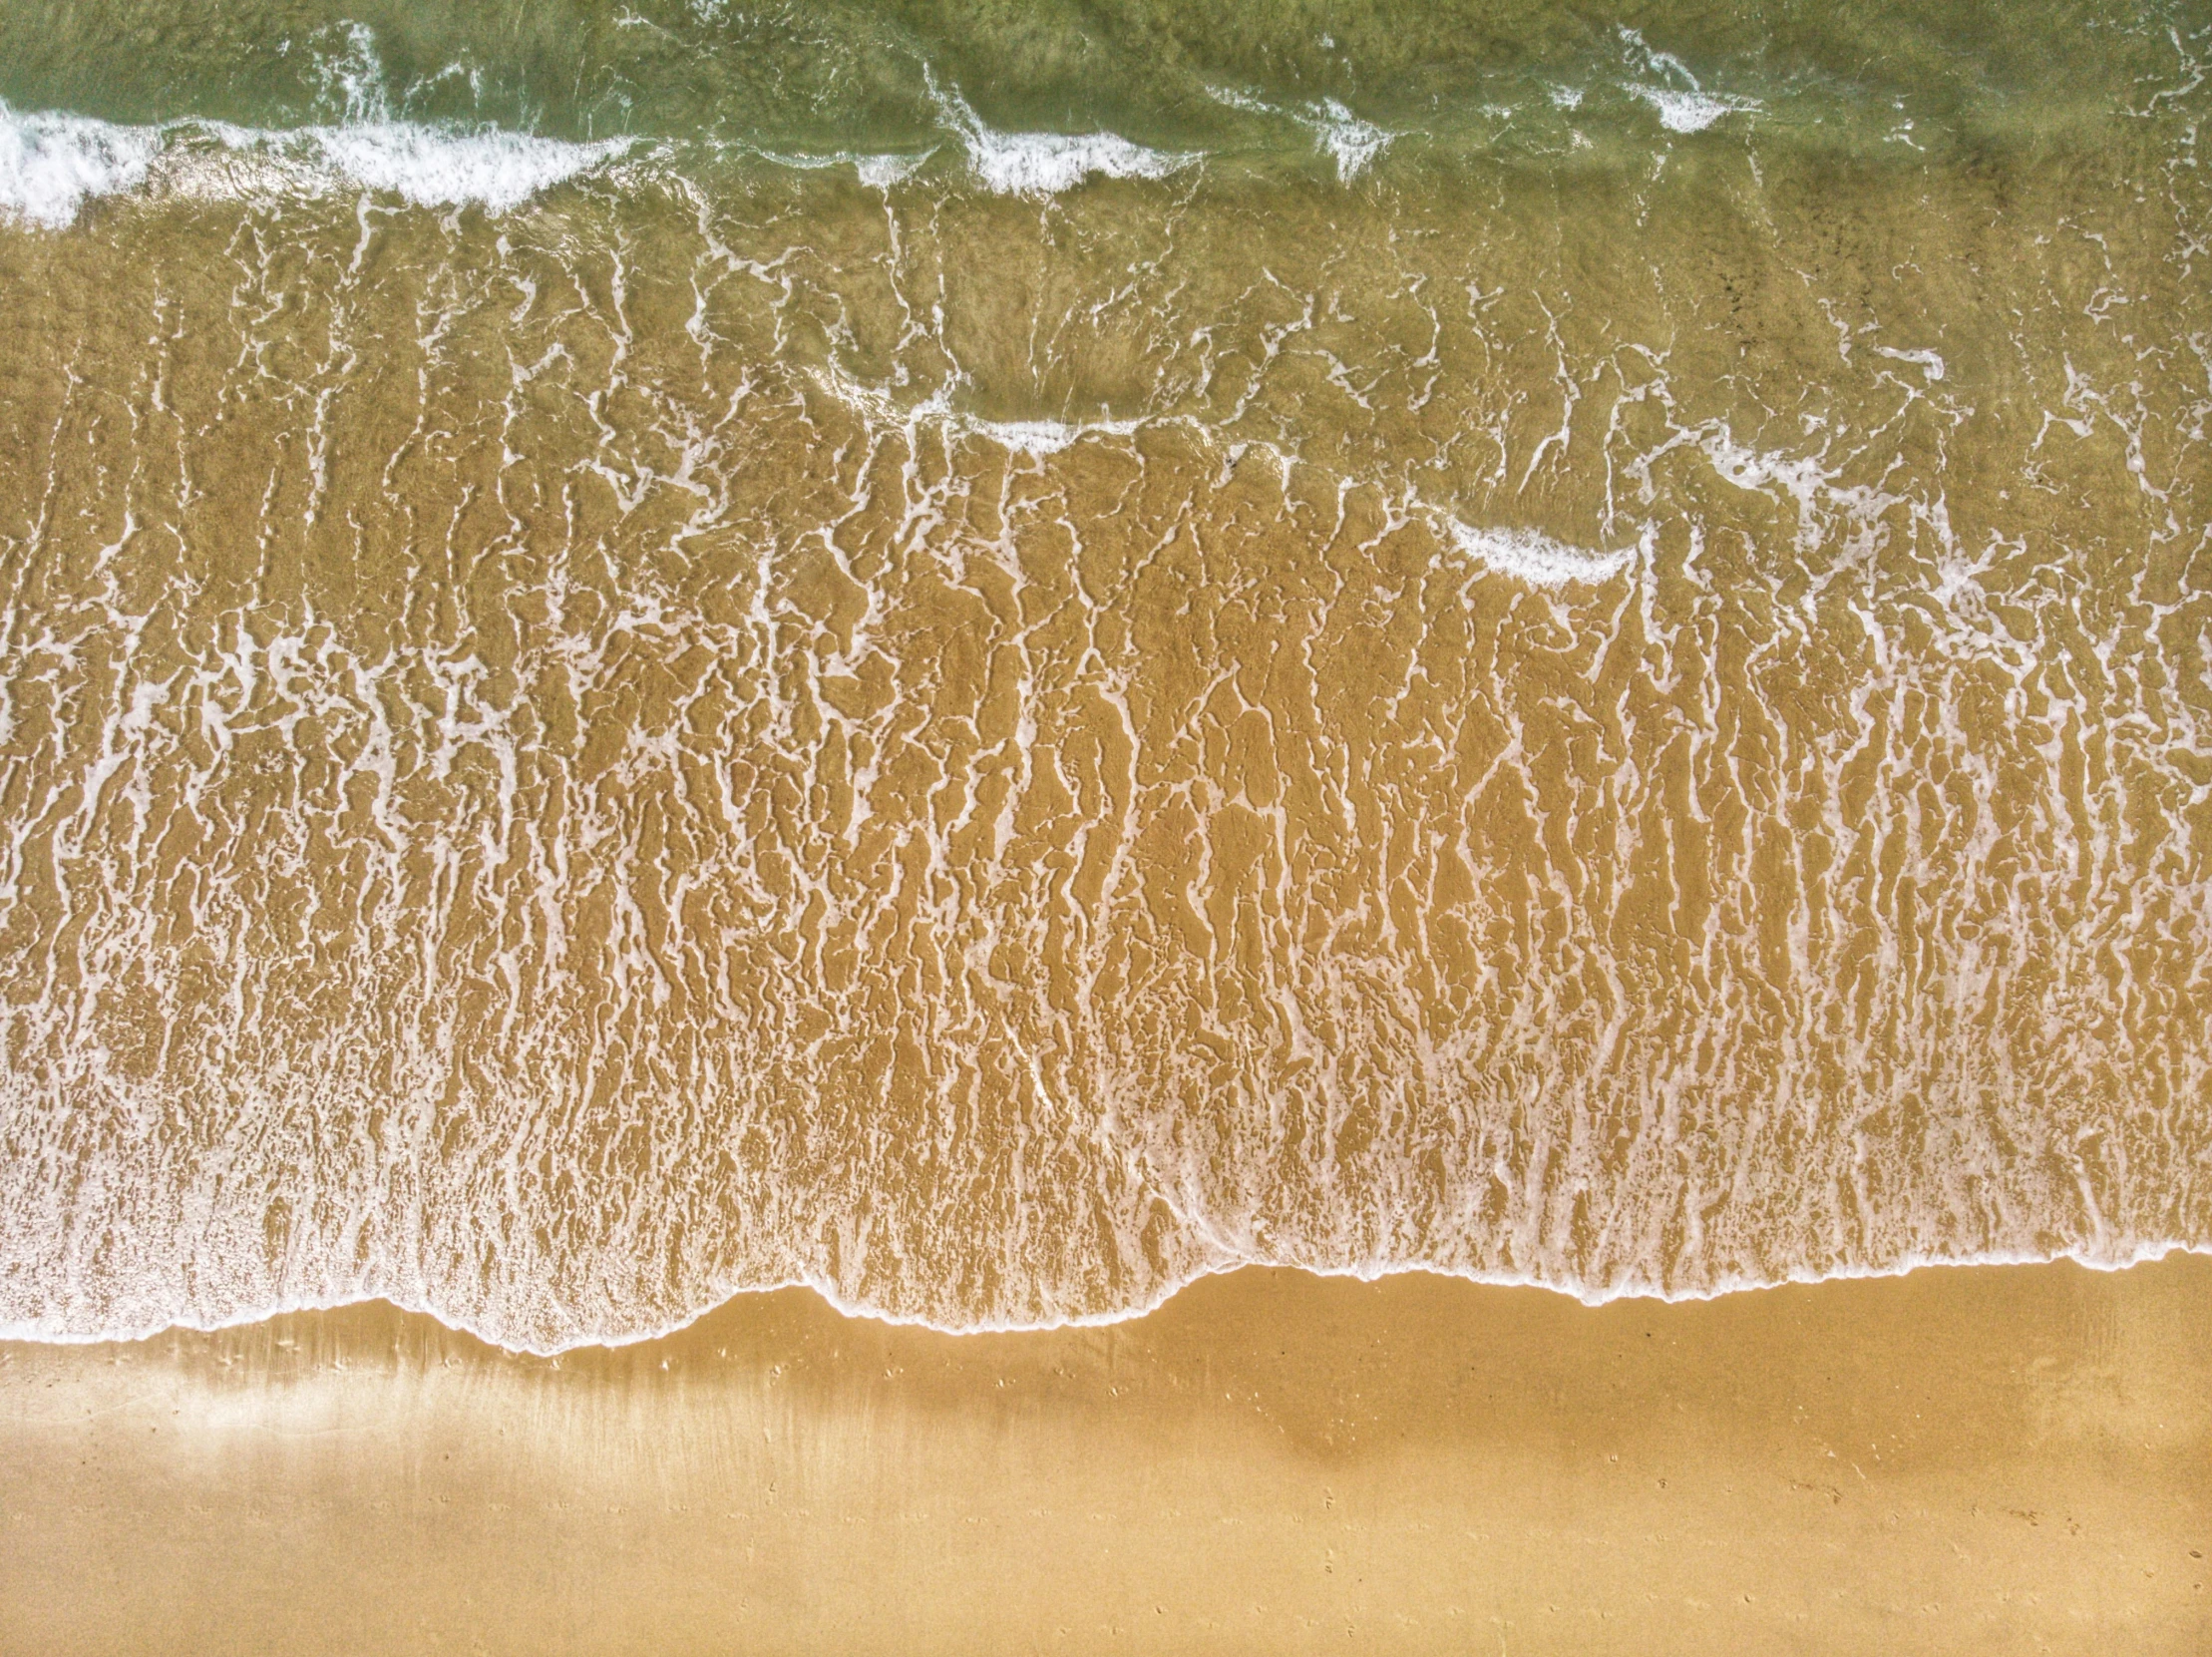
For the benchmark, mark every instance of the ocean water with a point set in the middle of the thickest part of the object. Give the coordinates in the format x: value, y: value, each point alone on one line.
x: 994, y: 656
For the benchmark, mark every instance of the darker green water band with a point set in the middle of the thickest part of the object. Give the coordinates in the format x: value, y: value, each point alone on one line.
x: 859, y: 71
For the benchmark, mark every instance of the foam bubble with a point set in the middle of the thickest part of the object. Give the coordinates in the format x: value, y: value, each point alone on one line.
x: 1688, y: 112
x: 882, y: 171
x: 1043, y: 437
x: 1351, y: 141
x: 52, y: 162
x: 882, y: 405
x: 432, y: 167
x: 1044, y: 164
x: 1679, y: 97
x: 878, y: 170
x: 1533, y: 557
x: 1927, y: 362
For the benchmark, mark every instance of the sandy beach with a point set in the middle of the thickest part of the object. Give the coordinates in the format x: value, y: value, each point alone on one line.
x: 1056, y: 667
x: 1992, y: 1460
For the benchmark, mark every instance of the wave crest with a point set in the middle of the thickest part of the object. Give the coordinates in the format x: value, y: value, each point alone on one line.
x: 52, y: 162
x: 1046, y: 164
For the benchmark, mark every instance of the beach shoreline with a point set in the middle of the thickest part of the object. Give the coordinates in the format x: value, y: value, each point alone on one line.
x: 1997, y: 1459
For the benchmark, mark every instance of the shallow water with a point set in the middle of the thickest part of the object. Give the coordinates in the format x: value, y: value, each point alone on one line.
x: 990, y: 657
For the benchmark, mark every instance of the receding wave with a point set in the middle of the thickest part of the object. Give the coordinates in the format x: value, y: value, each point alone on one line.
x: 1565, y: 671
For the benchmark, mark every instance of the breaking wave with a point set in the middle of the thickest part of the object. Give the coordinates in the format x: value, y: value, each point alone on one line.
x: 53, y: 164
x: 1046, y: 164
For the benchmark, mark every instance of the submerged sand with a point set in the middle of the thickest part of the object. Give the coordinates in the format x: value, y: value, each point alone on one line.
x: 1991, y: 1460
x: 1622, y: 716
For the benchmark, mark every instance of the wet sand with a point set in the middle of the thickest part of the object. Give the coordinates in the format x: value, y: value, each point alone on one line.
x: 1986, y: 1459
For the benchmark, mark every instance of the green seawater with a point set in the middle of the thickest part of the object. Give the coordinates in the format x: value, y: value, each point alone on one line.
x: 860, y: 76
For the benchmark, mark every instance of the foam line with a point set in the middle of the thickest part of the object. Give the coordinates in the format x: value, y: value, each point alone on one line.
x: 1351, y: 141
x: 1046, y: 164
x: 52, y: 162
x: 2142, y: 1255
x: 1043, y: 437
x: 1533, y: 557
x: 431, y: 167
x: 1675, y: 94
x: 1688, y: 112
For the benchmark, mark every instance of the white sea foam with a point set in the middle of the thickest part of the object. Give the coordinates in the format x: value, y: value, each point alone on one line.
x: 1688, y: 112
x: 882, y: 405
x: 1351, y: 141
x: 1238, y: 98
x: 1044, y: 164
x: 52, y: 162
x: 1679, y: 97
x: 431, y: 167
x: 1533, y: 557
x: 883, y: 170
x: 878, y: 170
x: 1042, y: 437
x: 1520, y: 553
x: 1927, y: 362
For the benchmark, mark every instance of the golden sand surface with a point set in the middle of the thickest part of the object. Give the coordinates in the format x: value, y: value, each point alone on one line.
x: 1984, y: 1460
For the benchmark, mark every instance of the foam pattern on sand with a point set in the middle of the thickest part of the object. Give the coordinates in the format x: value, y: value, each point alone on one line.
x: 992, y: 749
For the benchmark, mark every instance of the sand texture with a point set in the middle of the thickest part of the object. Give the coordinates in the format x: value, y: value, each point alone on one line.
x: 1987, y: 1460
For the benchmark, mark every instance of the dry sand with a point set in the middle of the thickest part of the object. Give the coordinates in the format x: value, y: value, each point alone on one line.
x: 1986, y: 1460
